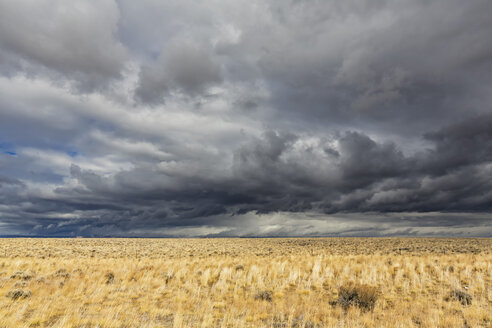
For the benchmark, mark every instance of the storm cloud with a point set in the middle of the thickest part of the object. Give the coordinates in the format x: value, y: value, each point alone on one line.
x: 245, y: 118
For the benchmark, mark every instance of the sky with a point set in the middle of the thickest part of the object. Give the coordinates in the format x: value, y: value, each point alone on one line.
x: 223, y: 118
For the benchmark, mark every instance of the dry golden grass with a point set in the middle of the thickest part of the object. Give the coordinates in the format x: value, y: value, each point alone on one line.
x: 246, y: 282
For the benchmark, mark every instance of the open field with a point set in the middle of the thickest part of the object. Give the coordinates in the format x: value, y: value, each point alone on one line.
x: 332, y: 282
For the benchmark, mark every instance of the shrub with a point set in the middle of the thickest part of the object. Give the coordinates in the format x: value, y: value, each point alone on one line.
x: 362, y: 296
x: 18, y: 293
x: 461, y: 296
x: 264, y: 296
x: 109, y: 278
x: 63, y: 273
x: 299, y: 322
x: 41, y: 279
x: 20, y: 284
x: 22, y: 275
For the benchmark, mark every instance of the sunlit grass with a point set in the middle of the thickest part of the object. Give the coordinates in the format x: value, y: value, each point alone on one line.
x: 245, y: 282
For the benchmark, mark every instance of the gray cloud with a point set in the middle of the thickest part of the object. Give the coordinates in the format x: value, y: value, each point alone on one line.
x: 68, y: 41
x: 183, y: 68
x: 245, y: 118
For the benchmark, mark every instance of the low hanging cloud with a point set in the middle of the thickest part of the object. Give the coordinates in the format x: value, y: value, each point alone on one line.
x: 249, y: 118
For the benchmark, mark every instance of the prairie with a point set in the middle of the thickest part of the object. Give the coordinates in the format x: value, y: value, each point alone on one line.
x: 298, y: 282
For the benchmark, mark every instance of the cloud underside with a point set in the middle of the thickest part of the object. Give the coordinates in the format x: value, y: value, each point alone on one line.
x: 245, y: 118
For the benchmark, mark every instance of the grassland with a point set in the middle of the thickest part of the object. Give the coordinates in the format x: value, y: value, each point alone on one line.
x: 246, y: 282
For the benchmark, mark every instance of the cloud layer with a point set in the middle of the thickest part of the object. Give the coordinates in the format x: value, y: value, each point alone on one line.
x: 183, y: 118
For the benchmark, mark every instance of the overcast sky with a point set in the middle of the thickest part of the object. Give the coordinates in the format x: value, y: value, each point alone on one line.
x: 245, y: 118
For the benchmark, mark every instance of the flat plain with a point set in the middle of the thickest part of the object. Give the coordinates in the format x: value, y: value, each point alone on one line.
x: 298, y: 282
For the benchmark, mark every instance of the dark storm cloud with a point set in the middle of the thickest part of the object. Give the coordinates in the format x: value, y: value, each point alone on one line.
x: 409, y: 65
x: 465, y: 143
x: 178, y: 118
